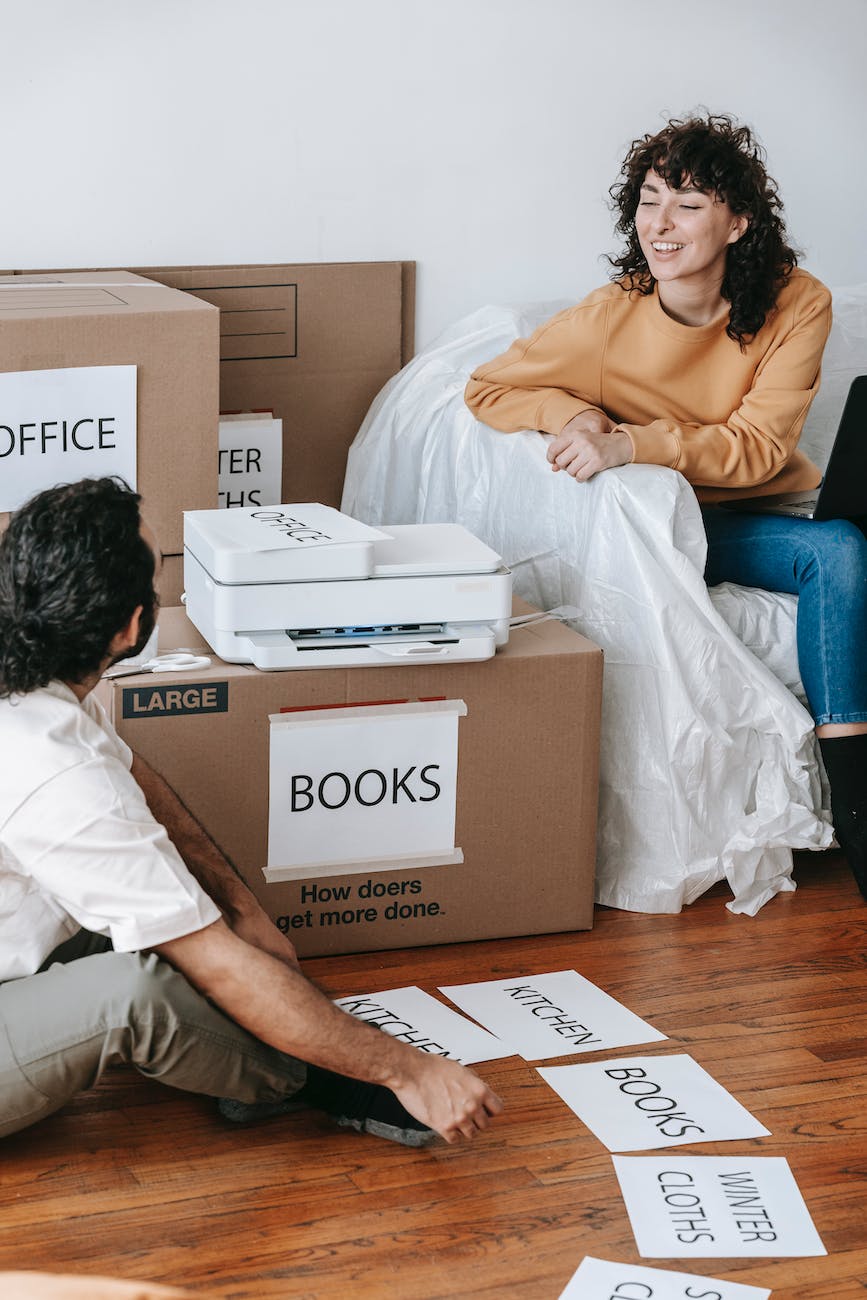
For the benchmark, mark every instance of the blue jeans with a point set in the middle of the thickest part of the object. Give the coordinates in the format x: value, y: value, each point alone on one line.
x: 825, y: 566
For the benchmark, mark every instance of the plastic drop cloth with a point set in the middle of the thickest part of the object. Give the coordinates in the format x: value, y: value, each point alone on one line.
x: 708, y: 767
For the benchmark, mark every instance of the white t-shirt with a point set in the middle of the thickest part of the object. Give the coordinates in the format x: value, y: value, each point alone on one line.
x: 79, y: 846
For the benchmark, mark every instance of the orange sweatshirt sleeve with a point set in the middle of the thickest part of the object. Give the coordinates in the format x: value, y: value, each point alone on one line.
x: 761, y: 435
x: 541, y: 382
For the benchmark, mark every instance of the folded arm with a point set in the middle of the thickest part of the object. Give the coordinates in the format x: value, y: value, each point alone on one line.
x: 532, y: 385
x: 608, y: 366
x: 761, y: 435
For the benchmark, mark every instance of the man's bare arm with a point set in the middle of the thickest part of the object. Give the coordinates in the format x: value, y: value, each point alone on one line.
x: 210, y: 866
x: 279, y: 1006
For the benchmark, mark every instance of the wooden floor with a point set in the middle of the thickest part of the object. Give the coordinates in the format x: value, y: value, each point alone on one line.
x: 137, y: 1181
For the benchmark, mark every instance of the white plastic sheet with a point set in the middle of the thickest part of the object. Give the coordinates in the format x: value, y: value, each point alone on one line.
x: 708, y: 767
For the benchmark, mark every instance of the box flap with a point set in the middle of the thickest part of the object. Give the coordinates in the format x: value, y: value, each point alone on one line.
x: 28, y: 296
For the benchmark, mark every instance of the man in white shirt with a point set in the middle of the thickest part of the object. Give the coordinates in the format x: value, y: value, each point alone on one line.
x: 124, y: 932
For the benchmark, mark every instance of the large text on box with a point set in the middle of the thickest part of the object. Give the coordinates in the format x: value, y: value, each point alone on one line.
x: 59, y: 426
x: 372, y: 785
x: 366, y: 901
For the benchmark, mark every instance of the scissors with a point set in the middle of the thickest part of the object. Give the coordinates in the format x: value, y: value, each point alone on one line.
x: 176, y: 661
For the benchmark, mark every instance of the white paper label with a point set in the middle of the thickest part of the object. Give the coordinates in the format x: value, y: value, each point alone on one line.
x: 715, y: 1207
x: 250, y: 463
x: 599, y: 1279
x: 291, y: 528
x: 60, y: 426
x: 375, y: 786
x: 557, y: 1014
x: 412, y: 1016
x: 640, y: 1102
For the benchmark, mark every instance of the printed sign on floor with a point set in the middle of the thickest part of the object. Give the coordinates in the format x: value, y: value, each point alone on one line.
x: 715, y: 1207
x: 557, y: 1014
x: 598, y: 1279
x: 641, y: 1102
x: 59, y: 426
x: 363, y: 788
x: 413, y: 1016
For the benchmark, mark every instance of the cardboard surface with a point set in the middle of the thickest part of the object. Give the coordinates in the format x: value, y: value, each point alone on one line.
x: 526, y: 786
x: 113, y: 318
x: 170, y: 584
x: 311, y: 343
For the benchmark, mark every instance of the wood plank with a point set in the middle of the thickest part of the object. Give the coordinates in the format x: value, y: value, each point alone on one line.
x: 137, y: 1181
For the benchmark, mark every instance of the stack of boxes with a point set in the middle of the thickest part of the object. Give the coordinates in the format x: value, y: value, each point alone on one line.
x: 168, y: 340
x: 312, y: 345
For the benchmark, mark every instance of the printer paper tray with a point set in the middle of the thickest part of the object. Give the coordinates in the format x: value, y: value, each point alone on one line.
x: 277, y: 651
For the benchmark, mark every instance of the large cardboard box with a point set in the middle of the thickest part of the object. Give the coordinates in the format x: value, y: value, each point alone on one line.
x: 526, y: 789
x: 313, y: 343
x: 60, y: 321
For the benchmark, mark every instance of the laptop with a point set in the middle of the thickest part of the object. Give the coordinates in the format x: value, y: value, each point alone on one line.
x: 842, y: 493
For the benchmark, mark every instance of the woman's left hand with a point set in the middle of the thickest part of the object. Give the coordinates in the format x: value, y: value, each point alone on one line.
x: 585, y: 447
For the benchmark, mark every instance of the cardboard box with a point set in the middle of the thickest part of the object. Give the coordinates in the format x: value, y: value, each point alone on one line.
x: 60, y: 321
x: 526, y: 786
x: 313, y: 344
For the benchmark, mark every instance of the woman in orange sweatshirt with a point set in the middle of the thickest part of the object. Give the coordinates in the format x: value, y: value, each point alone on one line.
x: 704, y: 355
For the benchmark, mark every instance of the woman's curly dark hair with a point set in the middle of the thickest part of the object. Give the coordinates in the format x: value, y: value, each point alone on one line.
x: 720, y: 158
x: 73, y: 569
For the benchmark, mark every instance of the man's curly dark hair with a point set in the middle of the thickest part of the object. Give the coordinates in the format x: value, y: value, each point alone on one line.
x: 721, y: 158
x: 73, y: 569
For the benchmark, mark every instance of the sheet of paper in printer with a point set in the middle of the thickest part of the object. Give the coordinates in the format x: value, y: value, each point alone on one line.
x: 295, y: 527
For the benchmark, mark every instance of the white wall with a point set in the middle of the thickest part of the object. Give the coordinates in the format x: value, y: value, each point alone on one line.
x: 478, y: 137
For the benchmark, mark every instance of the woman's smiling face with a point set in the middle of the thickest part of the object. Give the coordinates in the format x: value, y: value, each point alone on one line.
x: 685, y: 233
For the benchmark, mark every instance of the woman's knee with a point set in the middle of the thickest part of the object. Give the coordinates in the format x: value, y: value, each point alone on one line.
x: 835, y: 554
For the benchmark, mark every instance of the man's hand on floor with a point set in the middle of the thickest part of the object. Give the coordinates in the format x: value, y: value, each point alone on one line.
x: 446, y: 1096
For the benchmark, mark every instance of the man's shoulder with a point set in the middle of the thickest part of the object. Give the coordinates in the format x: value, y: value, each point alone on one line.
x: 36, y: 715
x: 44, y: 735
x: 49, y: 714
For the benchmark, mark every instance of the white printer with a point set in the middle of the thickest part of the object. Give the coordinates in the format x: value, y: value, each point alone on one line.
x: 305, y: 586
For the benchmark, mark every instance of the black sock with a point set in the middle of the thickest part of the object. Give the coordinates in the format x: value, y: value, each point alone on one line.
x: 367, y: 1107
x: 323, y: 1089
x: 845, y: 759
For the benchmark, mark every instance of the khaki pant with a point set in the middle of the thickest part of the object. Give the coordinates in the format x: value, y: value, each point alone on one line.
x: 90, y: 1006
